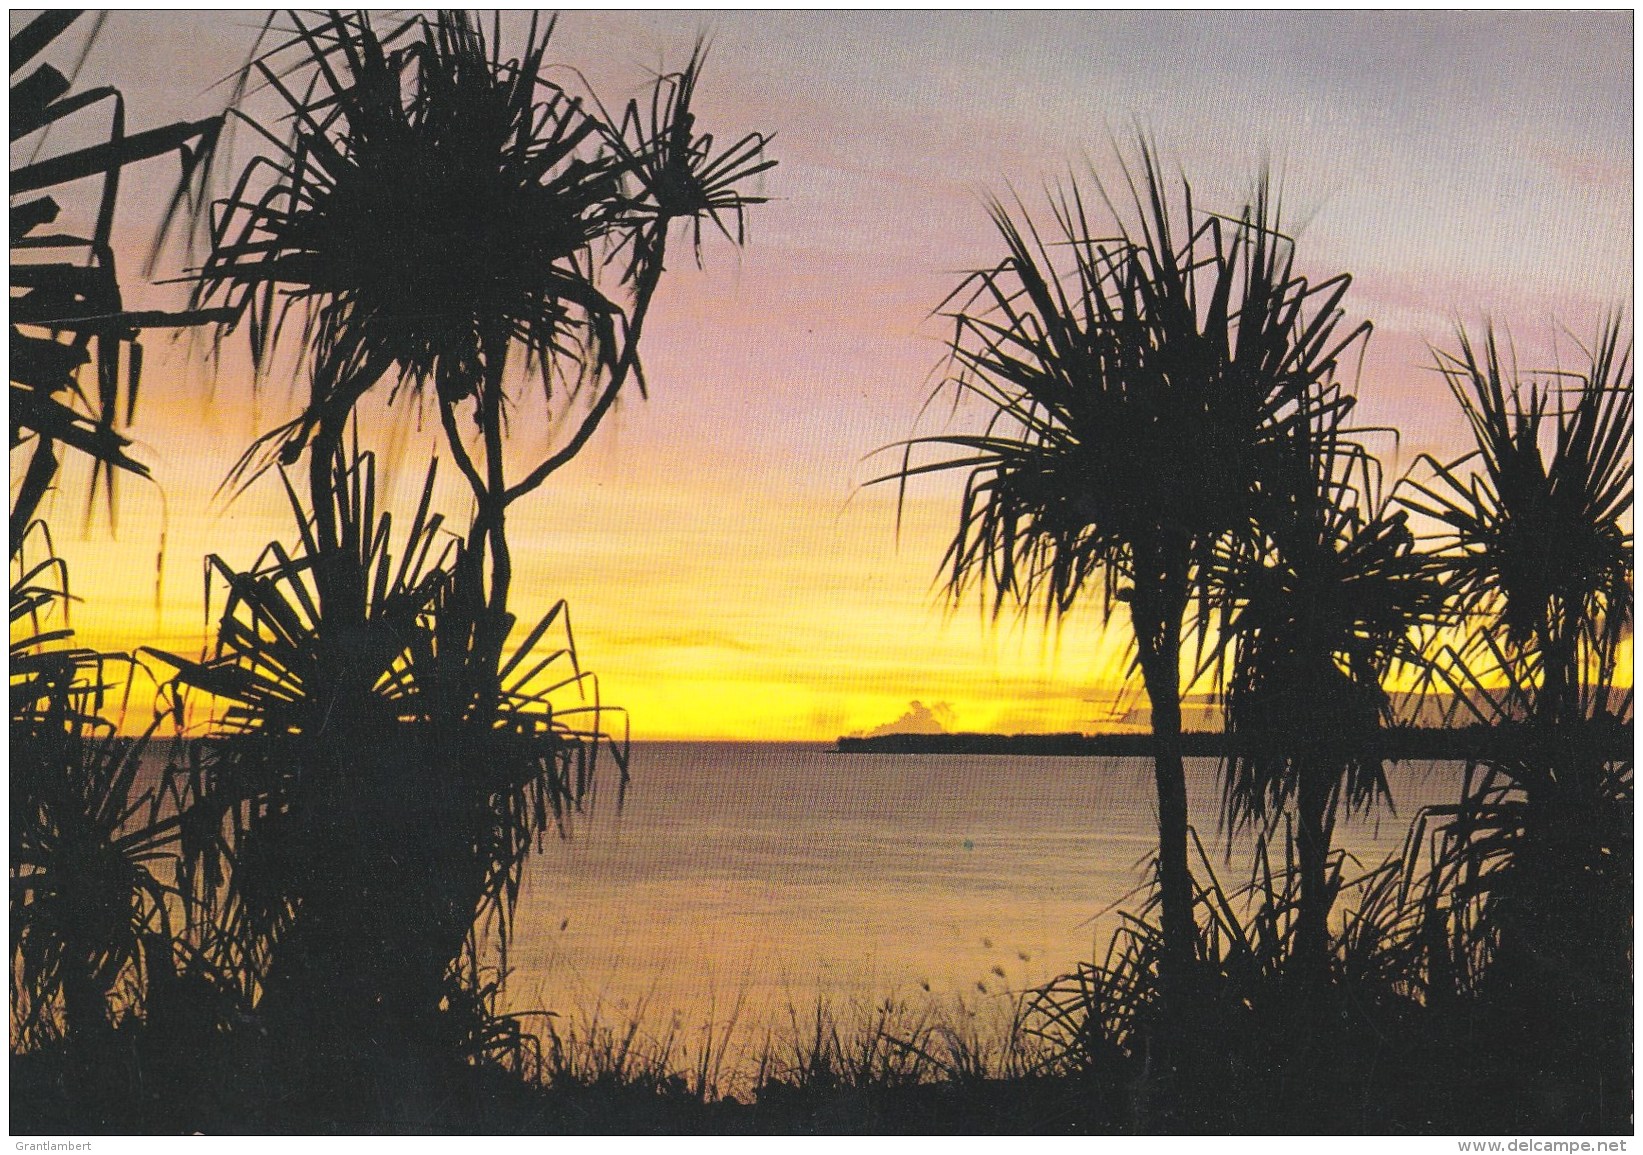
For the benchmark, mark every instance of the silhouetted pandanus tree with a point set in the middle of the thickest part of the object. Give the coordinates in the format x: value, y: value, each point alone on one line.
x: 1535, y: 541
x: 1138, y: 385
x: 444, y: 215
x: 346, y: 887
x: 1535, y: 522
x: 89, y: 837
x: 458, y: 230
x: 1320, y: 604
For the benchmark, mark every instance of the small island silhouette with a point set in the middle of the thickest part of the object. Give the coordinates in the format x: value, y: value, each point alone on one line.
x: 1409, y: 743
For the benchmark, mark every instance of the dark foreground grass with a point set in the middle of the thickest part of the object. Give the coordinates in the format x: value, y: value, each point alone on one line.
x: 55, y: 1094
x: 1289, y: 1063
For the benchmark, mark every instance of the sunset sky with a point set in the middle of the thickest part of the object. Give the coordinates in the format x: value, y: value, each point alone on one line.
x: 726, y: 575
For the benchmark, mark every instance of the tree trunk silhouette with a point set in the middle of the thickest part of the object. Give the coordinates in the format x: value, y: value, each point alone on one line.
x: 1169, y: 774
x: 1157, y: 606
x: 1311, y: 952
x: 392, y: 883
x: 85, y: 998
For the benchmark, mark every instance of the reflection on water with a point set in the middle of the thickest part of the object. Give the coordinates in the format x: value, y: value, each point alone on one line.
x: 773, y: 873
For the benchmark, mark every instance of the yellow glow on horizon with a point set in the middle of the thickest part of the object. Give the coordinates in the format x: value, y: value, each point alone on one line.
x: 721, y: 610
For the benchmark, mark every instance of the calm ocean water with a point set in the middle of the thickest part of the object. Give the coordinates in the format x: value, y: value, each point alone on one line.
x: 774, y: 874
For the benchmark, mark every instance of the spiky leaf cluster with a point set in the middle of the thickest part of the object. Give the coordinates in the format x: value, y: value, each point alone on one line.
x: 435, y: 203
